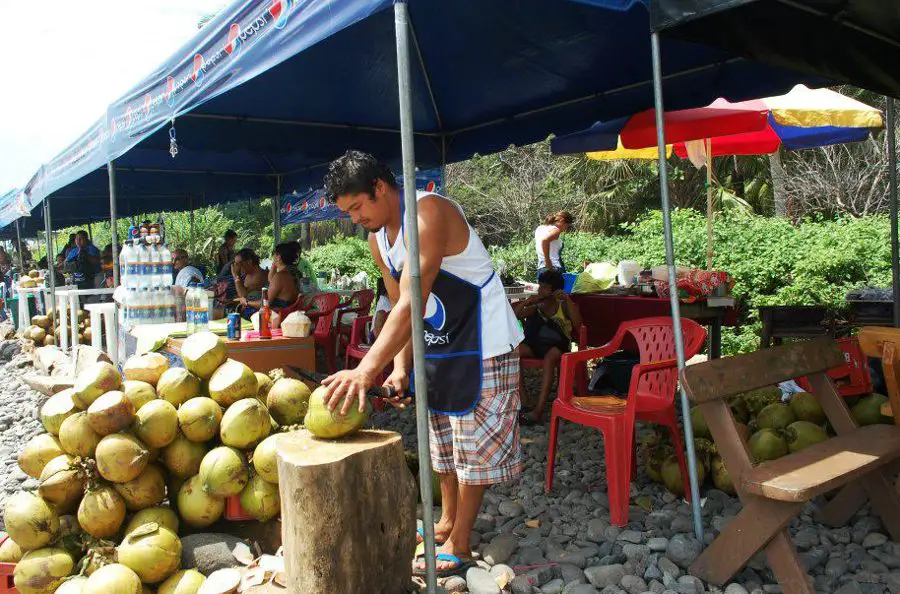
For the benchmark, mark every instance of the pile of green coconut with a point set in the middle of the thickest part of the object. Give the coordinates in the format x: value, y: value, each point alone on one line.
x: 129, y: 463
x: 771, y: 427
x: 45, y: 329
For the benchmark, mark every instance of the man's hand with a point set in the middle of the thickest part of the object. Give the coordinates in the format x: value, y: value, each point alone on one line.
x: 345, y: 387
x: 399, y: 381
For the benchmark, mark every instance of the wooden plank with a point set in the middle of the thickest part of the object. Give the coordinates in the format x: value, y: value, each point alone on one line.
x: 785, y: 564
x: 872, y: 339
x: 824, y: 466
x: 721, y: 378
x: 891, y: 368
x: 48, y: 385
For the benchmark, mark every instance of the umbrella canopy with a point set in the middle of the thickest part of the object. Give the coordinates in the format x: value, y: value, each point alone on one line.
x: 803, y: 118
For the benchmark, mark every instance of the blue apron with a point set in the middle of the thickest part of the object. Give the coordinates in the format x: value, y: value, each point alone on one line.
x: 453, y: 353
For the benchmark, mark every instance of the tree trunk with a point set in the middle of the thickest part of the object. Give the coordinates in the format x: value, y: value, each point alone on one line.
x: 778, y: 184
x: 348, y: 512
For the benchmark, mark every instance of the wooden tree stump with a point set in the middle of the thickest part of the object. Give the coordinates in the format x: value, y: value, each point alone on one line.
x: 348, y: 513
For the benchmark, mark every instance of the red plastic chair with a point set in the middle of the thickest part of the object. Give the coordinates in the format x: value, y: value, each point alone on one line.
x: 325, y: 305
x: 358, y: 348
x: 360, y: 303
x: 581, y: 376
x: 853, y: 377
x: 651, y: 397
x: 295, y: 306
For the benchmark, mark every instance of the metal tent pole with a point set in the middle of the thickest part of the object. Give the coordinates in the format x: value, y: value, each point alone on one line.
x: 19, y: 240
x: 113, y: 221
x: 48, y: 225
x: 892, y: 176
x: 193, y: 247
x: 673, y: 294
x: 401, y: 24
x: 276, y: 212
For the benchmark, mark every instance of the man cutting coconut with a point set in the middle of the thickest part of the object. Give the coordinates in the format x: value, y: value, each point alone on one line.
x: 471, y: 336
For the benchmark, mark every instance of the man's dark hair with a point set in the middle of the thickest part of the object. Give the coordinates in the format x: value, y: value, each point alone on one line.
x: 289, y: 251
x: 83, y: 234
x: 71, y: 237
x: 248, y: 255
x: 229, y: 235
x: 356, y: 172
x: 553, y: 278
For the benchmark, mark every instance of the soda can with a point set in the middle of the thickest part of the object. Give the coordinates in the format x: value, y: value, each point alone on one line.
x: 234, y: 326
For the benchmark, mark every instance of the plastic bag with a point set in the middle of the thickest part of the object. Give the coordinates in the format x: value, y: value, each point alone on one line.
x: 597, y: 277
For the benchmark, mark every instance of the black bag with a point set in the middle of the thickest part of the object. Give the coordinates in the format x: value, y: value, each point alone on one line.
x: 612, y: 376
x: 542, y: 334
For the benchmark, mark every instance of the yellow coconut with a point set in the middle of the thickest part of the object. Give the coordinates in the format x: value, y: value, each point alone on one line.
x: 183, y: 457
x: 121, y: 457
x: 329, y: 424
x: 62, y: 483
x: 162, y: 516
x: 178, y: 385
x: 199, y: 418
x: 145, y: 368
x: 203, y: 353
x: 30, y: 521
x: 264, y: 459
x: 101, y: 512
x: 223, y: 472
x: 73, y: 585
x: 110, y: 413
x: 140, y: 393
x: 77, y: 437
x: 147, y: 490
x: 156, y: 424
x: 288, y: 400
x: 10, y: 552
x: 41, y: 321
x: 113, y: 579
x: 245, y: 424
x: 152, y: 551
x: 261, y: 499
x: 43, y: 570
x: 197, y: 508
x: 264, y: 383
x: 232, y: 382
x: 39, y: 450
x: 186, y: 581
x: 96, y: 380
x: 57, y: 409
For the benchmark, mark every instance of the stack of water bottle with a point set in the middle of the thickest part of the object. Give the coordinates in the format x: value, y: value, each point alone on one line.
x: 197, y: 308
x: 145, y: 270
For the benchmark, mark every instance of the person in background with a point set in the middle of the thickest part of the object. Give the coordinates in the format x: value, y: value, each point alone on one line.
x: 185, y: 273
x: 249, y: 279
x: 69, y: 246
x: 83, y: 261
x: 549, y: 319
x: 382, y: 309
x: 282, y: 280
x: 24, y: 253
x: 548, y: 241
x: 225, y: 256
x: 5, y: 264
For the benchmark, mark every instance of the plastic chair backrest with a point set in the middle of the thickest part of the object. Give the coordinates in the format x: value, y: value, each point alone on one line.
x: 358, y: 330
x: 325, y: 305
x: 363, y: 300
x: 295, y: 306
x: 655, y: 338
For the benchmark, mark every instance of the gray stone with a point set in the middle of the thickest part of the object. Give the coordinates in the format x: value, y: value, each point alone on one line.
x: 735, y: 589
x: 596, y: 529
x: 500, y: 549
x: 653, y: 573
x: 633, y: 584
x: 503, y: 571
x: 605, y: 575
x: 813, y: 559
x: 850, y: 587
x: 806, y: 538
x: 510, y: 508
x: 683, y: 550
x: 457, y: 583
x: 668, y: 567
x: 553, y: 586
x: 541, y: 575
x: 521, y: 584
x: 570, y: 573
x: 531, y: 556
x: 209, y: 551
x: 873, y: 540
x: 575, y: 558
x: 688, y: 584
x: 836, y: 567
x: 892, y: 581
x: 635, y: 551
x: 481, y: 582
x: 658, y: 544
x: 580, y: 589
x: 632, y: 536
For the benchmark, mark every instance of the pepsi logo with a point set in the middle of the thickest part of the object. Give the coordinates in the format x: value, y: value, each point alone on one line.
x: 147, y: 102
x: 112, y: 128
x: 197, y: 73
x: 305, y: 205
x: 322, y: 202
x: 234, y: 39
x: 435, y: 313
x: 288, y: 207
x: 430, y: 186
x: 170, y: 91
x: 280, y: 10
x: 128, y: 117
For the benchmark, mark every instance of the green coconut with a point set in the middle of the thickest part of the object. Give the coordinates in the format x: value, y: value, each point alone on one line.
x: 720, y: 476
x: 287, y: 401
x: 199, y: 418
x: 178, y: 385
x: 96, y: 380
x: 138, y: 392
x: 264, y: 383
x: 57, y: 409
x: 113, y: 579
x: 327, y: 424
x: 223, y: 472
x: 203, y: 353
x: 110, y: 413
x: 10, y: 552
x: 739, y: 409
x: 802, y: 434
x: 767, y: 444
x: 156, y: 423
x: 867, y: 411
x: 231, y: 382
x: 43, y: 570
x: 148, y: 489
x: 30, y: 521
x: 260, y: 499
x: 265, y: 459
x: 775, y: 416
x: 152, y: 551
x: 62, y: 483
x: 758, y: 399
x: 121, y: 457
x: 671, y: 476
x: 101, y: 512
x: 186, y: 581
x: 77, y: 437
x: 183, y: 457
x: 653, y: 461
x: 148, y: 367
x: 245, y: 424
x: 701, y: 429
x: 196, y: 507
x: 39, y: 450
x: 161, y: 516
x: 805, y: 407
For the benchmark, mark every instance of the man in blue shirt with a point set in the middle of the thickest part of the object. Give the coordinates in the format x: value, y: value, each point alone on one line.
x: 83, y: 261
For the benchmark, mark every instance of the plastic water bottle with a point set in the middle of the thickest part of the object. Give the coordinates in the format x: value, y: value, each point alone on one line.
x: 146, y: 301
x: 171, y: 306
x: 189, y: 309
x: 124, y: 256
x: 129, y: 308
x: 202, y: 309
x: 159, y: 308
x: 143, y: 266
x: 155, y: 268
x: 166, y: 257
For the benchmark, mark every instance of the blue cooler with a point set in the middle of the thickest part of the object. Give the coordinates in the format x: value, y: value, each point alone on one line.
x: 569, y: 281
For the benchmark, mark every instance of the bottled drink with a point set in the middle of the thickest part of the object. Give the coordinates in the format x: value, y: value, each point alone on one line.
x: 129, y: 306
x: 155, y: 269
x: 202, y: 309
x: 166, y: 257
x: 160, y: 308
x: 265, y: 316
x: 144, y: 265
x: 147, y: 305
x: 189, y: 309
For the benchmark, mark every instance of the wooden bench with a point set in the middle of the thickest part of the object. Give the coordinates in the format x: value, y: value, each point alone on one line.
x: 774, y: 492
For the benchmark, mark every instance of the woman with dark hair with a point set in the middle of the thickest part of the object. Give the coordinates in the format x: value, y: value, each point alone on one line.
x: 548, y: 243
x: 283, y: 276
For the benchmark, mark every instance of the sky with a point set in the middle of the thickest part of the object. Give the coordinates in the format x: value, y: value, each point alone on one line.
x: 63, y: 66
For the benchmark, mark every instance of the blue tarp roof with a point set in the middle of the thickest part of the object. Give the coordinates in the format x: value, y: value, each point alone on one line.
x: 486, y: 74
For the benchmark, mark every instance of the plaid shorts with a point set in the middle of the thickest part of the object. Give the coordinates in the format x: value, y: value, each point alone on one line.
x: 482, y: 446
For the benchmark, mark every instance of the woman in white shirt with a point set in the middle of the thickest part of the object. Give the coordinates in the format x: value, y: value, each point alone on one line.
x: 548, y: 241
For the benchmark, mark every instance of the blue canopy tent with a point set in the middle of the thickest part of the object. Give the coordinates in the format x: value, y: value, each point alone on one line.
x: 474, y: 76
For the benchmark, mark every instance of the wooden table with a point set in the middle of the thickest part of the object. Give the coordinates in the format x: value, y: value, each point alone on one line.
x: 264, y: 354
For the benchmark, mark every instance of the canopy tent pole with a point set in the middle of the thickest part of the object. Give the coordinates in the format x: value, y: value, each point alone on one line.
x: 19, y: 240
x: 193, y: 247
x: 113, y: 221
x: 892, y: 176
x: 276, y: 212
x: 710, y: 210
x: 401, y: 24
x: 50, y: 263
x: 673, y: 287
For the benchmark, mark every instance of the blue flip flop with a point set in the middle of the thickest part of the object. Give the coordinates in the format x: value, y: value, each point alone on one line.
x: 460, y: 566
x: 421, y: 533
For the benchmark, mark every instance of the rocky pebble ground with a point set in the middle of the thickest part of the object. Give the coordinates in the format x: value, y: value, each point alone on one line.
x: 563, y: 542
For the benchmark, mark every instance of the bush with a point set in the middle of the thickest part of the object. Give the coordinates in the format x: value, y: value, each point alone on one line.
x: 349, y: 255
